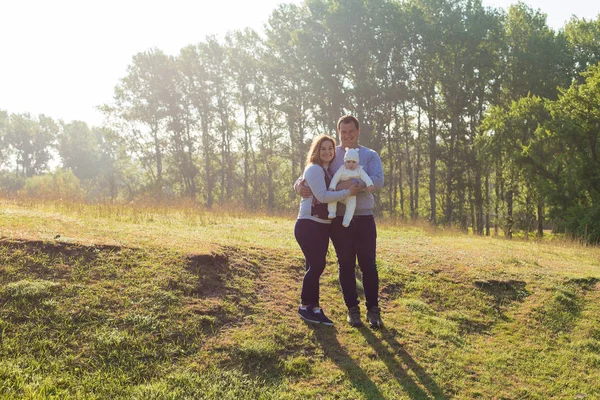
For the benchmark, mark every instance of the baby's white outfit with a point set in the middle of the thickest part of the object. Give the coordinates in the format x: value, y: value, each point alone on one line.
x: 343, y: 174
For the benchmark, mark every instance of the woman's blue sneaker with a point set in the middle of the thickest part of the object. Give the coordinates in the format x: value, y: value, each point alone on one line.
x: 309, y: 315
x: 324, y: 320
x: 314, y: 316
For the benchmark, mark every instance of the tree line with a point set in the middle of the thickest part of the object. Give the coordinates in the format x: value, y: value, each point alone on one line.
x: 486, y: 119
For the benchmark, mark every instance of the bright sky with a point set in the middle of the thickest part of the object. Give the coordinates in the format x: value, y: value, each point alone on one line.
x: 62, y: 58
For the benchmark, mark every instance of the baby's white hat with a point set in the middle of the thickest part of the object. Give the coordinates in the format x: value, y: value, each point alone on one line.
x: 351, y: 155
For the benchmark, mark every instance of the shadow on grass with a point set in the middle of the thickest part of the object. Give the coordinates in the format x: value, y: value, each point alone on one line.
x: 503, y: 292
x: 327, y: 337
x: 426, y: 387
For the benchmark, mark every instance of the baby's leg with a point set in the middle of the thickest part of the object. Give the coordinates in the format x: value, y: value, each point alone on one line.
x: 331, y: 207
x: 350, y: 207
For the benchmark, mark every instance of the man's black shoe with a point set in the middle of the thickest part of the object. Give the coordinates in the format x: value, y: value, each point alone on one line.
x: 374, y: 317
x: 354, y: 317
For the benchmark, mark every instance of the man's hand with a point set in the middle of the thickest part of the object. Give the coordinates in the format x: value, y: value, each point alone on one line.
x: 346, y: 185
x: 302, y: 190
x: 354, y: 189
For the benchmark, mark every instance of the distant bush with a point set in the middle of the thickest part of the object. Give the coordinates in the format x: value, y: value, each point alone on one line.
x: 60, y: 184
x: 584, y: 222
x: 10, y: 183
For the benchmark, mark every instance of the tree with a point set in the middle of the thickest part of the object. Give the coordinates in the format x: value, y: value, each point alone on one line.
x: 143, y: 101
x: 425, y: 70
x: 292, y: 75
x: 576, y: 123
x: 535, y: 57
x: 198, y: 93
x: 583, y: 39
x: 245, y: 49
x: 516, y: 135
x: 79, y: 149
x: 232, y: 120
x: 219, y: 74
x: 270, y: 124
x: 116, y: 170
x: 4, y: 129
x: 32, y: 141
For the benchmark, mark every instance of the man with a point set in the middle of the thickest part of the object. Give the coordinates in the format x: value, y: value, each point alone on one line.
x: 359, y: 239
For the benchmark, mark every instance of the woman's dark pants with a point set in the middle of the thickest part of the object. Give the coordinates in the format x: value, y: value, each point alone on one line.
x: 313, y: 238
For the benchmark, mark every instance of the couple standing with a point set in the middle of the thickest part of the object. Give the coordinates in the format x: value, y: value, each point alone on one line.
x: 357, y: 241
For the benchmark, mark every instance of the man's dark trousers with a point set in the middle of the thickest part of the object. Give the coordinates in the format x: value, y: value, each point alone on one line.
x: 359, y: 240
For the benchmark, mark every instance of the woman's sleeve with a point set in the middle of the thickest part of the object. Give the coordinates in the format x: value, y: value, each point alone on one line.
x: 315, y: 178
x: 336, y: 178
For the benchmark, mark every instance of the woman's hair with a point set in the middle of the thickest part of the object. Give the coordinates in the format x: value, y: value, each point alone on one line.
x: 313, y: 154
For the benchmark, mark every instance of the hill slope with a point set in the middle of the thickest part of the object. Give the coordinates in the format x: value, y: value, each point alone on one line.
x: 123, y: 302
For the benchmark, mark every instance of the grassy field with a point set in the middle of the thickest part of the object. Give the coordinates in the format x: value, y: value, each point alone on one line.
x: 173, y: 303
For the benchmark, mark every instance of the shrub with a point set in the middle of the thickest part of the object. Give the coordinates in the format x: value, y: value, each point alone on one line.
x: 60, y: 184
x: 584, y: 222
x: 9, y: 183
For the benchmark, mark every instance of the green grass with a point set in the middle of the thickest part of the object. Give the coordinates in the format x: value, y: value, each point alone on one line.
x: 148, y: 302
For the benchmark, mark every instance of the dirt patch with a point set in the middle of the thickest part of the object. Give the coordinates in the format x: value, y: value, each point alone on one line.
x: 197, y: 260
x: 215, y: 273
x: 227, y: 276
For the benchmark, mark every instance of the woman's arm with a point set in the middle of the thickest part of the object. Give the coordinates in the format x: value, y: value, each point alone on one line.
x: 315, y: 178
x: 336, y: 178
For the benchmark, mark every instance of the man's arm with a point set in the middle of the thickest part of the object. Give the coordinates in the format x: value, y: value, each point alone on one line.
x: 374, y: 169
x: 302, y: 189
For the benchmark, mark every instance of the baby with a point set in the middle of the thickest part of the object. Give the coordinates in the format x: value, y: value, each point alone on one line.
x: 350, y: 169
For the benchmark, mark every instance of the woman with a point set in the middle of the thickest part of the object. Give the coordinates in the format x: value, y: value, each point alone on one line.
x: 312, y: 225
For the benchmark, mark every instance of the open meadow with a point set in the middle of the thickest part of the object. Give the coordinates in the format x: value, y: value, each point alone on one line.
x: 141, y: 302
